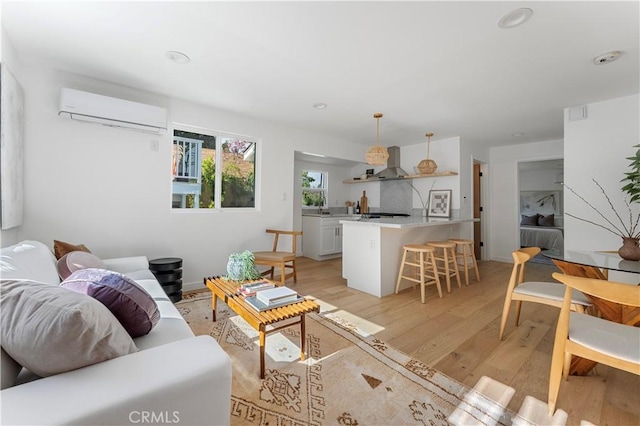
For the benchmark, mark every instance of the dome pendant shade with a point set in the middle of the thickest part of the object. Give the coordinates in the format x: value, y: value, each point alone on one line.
x: 377, y: 155
x: 427, y: 166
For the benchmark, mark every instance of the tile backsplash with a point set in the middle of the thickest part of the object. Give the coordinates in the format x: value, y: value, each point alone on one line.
x: 396, y: 197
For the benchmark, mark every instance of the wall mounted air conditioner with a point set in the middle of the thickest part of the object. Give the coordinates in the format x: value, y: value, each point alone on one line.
x: 90, y: 107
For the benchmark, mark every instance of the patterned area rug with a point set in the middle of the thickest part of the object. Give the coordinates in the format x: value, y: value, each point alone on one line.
x: 348, y: 377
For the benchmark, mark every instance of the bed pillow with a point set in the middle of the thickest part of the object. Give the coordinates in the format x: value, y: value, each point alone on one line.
x: 76, y: 260
x: 546, y: 220
x: 130, y: 303
x: 49, y: 329
x: 60, y: 248
x: 529, y: 220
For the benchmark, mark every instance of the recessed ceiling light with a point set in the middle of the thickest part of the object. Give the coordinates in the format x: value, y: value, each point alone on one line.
x: 607, y: 58
x: 320, y: 105
x: 177, y: 57
x: 515, y: 18
x: 517, y: 135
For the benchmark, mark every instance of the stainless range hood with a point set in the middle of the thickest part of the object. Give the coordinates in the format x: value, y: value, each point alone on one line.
x: 393, y: 170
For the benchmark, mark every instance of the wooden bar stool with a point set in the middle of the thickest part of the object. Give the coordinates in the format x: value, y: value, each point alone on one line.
x: 425, y: 269
x: 445, y: 252
x: 466, y: 257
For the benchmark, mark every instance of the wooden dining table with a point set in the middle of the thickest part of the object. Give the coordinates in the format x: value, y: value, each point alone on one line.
x: 596, y: 264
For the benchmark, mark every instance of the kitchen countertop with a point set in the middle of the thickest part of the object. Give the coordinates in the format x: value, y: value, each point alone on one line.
x: 338, y: 215
x: 407, y: 222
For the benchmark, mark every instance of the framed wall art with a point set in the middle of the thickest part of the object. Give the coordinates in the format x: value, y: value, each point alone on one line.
x: 439, y: 203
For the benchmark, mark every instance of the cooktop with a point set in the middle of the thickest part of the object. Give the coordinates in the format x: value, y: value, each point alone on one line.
x: 378, y: 215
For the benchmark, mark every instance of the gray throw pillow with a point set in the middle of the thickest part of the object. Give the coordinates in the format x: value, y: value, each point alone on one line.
x: 50, y: 330
x: 529, y: 220
x: 546, y: 220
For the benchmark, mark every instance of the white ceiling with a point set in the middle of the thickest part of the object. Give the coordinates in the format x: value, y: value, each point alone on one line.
x: 442, y: 67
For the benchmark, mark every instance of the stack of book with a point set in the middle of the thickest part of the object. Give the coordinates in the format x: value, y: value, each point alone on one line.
x: 277, y: 296
x: 251, y: 289
x: 273, y: 298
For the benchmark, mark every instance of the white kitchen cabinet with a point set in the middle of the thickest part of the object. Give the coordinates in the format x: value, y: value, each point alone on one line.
x: 321, y: 237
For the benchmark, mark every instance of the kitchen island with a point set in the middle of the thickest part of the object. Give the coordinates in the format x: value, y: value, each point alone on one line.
x: 372, y: 248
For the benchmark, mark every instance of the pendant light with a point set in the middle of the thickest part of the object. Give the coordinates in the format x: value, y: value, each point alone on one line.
x: 427, y: 166
x: 377, y: 155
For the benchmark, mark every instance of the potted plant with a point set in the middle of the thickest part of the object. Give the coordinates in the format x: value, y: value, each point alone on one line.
x: 632, y: 187
x: 241, y: 267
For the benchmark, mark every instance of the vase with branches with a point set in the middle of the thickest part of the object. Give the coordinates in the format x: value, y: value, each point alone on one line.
x: 628, y: 229
x: 425, y: 206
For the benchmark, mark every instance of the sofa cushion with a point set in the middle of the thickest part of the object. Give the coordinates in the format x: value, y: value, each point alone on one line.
x: 29, y: 260
x: 168, y: 330
x: 9, y: 370
x: 77, y: 260
x: 132, y: 306
x: 50, y: 330
x: 60, y: 248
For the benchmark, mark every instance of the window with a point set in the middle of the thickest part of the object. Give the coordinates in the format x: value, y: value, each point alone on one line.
x: 314, y: 188
x: 198, y: 183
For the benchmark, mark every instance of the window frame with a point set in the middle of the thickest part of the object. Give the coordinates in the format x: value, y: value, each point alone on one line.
x: 220, y: 137
x: 324, y: 190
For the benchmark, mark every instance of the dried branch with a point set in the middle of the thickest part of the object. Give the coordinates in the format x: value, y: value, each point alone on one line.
x: 629, y: 231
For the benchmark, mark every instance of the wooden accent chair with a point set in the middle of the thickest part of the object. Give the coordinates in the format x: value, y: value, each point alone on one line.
x: 279, y: 259
x: 607, y: 342
x: 547, y: 293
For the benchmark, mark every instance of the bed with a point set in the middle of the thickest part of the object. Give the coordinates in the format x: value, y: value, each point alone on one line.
x: 541, y: 219
x: 545, y: 237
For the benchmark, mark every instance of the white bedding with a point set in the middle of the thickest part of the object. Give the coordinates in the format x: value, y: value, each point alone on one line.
x: 547, y: 238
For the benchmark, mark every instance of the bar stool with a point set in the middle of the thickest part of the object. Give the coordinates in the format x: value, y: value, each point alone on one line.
x: 466, y: 255
x: 445, y: 253
x: 425, y: 268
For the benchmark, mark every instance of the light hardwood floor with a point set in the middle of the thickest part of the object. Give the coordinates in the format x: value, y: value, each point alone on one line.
x: 458, y: 335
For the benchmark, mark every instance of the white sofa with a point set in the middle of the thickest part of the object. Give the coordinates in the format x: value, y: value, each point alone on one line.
x: 175, y: 377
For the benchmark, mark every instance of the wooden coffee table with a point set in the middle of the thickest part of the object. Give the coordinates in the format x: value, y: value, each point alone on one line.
x: 228, y: 292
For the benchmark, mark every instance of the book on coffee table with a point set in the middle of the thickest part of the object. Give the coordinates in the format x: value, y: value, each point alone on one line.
x: 253, y: 288
x: 260, y: 306
x: 277, y: 295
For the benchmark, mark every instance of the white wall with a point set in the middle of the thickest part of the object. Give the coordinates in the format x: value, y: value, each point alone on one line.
x: 446, y: 154
x: 596, y: 148
x: 8, y: 57
x: 503, y: 233
x: 109, y: 189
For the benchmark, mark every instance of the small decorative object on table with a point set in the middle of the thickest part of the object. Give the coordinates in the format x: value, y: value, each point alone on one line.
x: 241, y: 267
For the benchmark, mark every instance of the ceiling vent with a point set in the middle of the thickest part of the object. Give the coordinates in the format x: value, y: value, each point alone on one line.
x: 113, y: 112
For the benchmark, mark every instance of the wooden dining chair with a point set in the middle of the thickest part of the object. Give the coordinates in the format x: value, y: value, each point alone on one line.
x: 546, y: 293
x: 598, y: 339
x: 279, y: 259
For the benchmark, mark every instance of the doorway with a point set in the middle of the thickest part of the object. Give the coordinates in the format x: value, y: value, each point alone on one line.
x: 477, y: 210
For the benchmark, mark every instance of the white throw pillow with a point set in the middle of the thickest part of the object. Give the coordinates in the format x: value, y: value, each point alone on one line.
x: 50, y: 330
